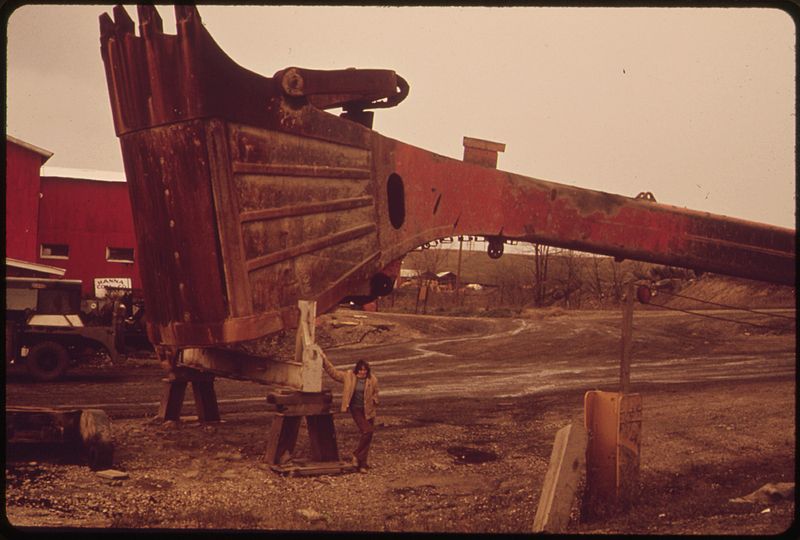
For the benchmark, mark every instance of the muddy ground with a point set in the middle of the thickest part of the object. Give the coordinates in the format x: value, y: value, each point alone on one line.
x: 469, y: 409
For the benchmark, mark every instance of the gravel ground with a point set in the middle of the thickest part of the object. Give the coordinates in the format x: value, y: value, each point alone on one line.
x: 439, y: 463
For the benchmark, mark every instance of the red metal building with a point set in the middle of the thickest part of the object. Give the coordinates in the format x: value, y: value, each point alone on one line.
x: 23, y: 163
x: 75, y: 219
x: 86, y: 226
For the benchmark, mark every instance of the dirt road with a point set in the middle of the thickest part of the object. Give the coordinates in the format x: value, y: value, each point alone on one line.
x: 718, y: 423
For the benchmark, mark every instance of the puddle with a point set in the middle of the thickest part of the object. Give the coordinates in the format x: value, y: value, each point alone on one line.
x: 466, y: 454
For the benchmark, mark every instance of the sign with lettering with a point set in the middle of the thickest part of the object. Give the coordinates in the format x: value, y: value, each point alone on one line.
x: 101, y: 284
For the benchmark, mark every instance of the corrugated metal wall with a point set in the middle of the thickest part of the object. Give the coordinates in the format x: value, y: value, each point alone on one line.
x: 89, y: 216
x: 22, y: 201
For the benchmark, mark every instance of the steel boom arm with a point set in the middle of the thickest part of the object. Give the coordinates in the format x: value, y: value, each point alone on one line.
x: 248, y: 197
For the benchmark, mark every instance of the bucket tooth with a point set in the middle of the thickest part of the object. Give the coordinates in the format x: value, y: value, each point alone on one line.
x: 123, y: 21
x: 185, y: 12
x: 107, y: 27
x: 149, y: 20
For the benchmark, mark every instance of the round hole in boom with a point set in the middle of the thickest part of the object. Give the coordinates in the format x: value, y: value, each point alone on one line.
x: 396, y: 196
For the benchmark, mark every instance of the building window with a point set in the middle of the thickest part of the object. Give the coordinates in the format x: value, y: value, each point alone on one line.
x: 123, y: 255
x: 54, y: 251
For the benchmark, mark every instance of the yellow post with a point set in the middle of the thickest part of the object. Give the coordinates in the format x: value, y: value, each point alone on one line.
x: 614, y: 424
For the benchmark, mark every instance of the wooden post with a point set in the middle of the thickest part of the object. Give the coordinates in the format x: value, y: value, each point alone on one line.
x: 205, y: 398
x: 322, y: 436
x: 282, y: 437
x: 627, y: 338
x: 459, y: 299
x: 567, y: 461
x: 174, y: 392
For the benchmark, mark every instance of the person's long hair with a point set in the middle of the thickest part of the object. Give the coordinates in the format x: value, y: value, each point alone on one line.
x: 360, y: 364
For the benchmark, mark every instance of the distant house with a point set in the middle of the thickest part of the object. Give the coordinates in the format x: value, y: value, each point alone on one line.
x: 446, y: 280
x: 429, y: 278
x: 407, y: 276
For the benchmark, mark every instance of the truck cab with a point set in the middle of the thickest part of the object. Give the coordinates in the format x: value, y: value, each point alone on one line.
x: 46, y: 331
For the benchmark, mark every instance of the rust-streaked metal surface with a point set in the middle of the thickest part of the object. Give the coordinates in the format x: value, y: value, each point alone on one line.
x: 248, y: 197
x: 614, y: 423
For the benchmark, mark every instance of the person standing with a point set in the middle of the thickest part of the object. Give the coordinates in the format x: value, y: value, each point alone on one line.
x: 360, y: 397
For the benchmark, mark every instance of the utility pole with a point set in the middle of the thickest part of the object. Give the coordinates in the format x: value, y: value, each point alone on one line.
x: 627, y: 338
x: 458, y: 271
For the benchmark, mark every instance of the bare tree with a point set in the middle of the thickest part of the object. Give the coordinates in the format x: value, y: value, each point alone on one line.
x: 541, y: 257
x: 568, y: 281
x: 432, y: 259
x: 617, y: 282
x: 509, y: 278
x: 595, y: 282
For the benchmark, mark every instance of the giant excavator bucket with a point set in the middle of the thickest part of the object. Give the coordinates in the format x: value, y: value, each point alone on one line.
x: 248, y: 196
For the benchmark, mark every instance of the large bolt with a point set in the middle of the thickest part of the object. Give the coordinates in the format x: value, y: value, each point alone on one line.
x: 292, y: 82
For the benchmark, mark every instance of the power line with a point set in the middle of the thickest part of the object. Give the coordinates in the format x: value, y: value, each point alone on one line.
x: 727, y: 306
x: 718, y: 318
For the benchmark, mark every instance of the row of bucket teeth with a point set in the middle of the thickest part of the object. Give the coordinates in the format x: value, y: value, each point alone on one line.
x: 150, y: 21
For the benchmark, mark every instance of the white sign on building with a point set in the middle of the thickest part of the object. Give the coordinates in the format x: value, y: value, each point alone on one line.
x: 100, y: 285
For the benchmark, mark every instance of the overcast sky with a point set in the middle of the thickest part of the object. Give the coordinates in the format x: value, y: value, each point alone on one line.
x: 693, y: 105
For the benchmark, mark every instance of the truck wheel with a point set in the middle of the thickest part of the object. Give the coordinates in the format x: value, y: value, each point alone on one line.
x: 47, y: 361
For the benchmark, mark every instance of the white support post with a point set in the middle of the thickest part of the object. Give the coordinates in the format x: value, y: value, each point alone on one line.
x: 305, y: 352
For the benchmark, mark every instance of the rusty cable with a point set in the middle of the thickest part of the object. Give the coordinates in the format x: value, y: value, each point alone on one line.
x: 728, y: 307
x: 715, y: 317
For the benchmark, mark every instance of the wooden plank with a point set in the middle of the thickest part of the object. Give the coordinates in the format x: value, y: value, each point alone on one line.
x: 172, y: 394
x: 298, y: 398
x: 567, y: 461
x: 315, y: 468
x: 305, y: 409
x: 205, y: 400
x: 322, y: 436
x: 282, y: 437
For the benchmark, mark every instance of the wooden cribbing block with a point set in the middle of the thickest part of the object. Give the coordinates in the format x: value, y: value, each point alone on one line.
x: 172, y: 394
x: 322, y: 436
x: 282, y: 437
x: 299, y: 398
x: 205, y: 400
x: 312, y: 468
x: 567, y: 461
x: 174, y: 391
x: 95, y: 428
